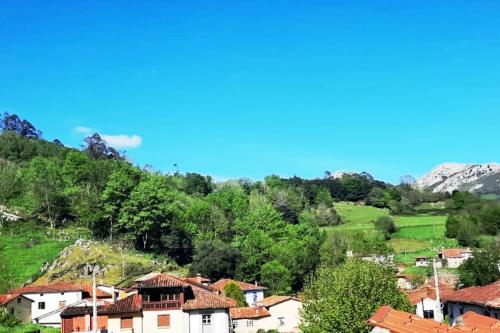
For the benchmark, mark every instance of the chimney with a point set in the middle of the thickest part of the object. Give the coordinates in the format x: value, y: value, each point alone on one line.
x: 198, y: 278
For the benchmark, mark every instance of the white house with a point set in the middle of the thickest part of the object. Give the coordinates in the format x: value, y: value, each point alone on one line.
x: 165, y: 303
x: 253, y: 292
x: 422, y: 262
x: 281, y: 313
x: 16, y: 305
x: 50, y: 300
x: 481, y: 300
x: 425, y: 300
x: 453, y: 258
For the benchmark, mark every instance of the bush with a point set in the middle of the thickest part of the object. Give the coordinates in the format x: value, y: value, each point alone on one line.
x: 386, y: 226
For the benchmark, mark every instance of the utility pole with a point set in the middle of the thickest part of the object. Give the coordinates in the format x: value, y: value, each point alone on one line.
x: 94, y: 302
x: 439, y: 314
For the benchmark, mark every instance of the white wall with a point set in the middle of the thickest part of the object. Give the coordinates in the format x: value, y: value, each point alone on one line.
x: 150, y: 321
x: 241, y: 325
x: 220, y: 321
x: 289, y: 310
x: 114, y: 324
x: 429, y: 304
x: 52, y: 303
x: 251, y: 297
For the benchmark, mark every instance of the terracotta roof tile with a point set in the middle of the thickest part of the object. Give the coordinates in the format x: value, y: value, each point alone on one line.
x: 403, y: 322
x: 472, y: 320
x: 219, y: 285
x: 131, y: 304
x: 452, y: 253
x: 160, y: 281
x: 204, y: 299
x: 486, y: 296
x: 249, y: 313
x: 7, y: 298
x: 429, y: 291
x: 273, y: 300
x: 75, y: 311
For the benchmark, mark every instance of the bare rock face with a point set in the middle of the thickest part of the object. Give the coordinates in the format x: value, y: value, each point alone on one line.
x: 476, y: 178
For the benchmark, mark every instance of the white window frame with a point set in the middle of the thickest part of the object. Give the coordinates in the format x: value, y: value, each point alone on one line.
x: 206, y: 318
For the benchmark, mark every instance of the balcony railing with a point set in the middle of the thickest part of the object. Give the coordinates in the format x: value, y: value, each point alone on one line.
x: 163, y: 305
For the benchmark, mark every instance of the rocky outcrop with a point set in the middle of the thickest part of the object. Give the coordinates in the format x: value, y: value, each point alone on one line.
x: 476, y: 178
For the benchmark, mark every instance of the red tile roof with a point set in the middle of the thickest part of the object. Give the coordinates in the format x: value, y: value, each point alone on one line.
x: 429, y: 291
x: 472, y: 320
x: 58, y: 288
x: 160, y: 281
x: 249, y: 313
x: 219, y: 285
x: 131, y: 304
x: 273, y: 300
x: 485, y: 296
x: 403, y: 322
x: 207, y: 300
x: 452, y: 253
x: 7, y: 298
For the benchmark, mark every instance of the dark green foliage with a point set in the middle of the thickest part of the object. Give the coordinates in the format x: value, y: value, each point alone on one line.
x: 22, y: 127
x: 342, y: 298
x: 215, y: 261
x: 198, y: 184
x: 232, y: 290
x: 386, y: 226
x: 276, y: 277
x: 482, y: 269
x: 98, y: 149
x: 7, y: 319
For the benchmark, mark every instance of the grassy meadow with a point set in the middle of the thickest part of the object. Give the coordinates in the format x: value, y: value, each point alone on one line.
x: 417, y: 235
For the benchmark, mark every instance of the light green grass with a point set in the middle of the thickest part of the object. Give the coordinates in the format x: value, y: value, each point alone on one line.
x: 28, y: 328
x: 24, y: 248
x: 419, y: 235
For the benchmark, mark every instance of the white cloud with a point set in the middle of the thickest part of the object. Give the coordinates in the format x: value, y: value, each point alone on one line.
x: 82, y: 130
x: 122, y: 140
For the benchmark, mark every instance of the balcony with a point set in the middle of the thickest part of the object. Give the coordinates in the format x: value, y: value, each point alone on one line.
x: 162, y: 305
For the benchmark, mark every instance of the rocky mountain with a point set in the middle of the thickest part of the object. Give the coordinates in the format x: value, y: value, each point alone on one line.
x: 476, y: 178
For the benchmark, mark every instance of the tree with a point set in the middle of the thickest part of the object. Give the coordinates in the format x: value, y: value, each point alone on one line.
x: 407, y: 180
x: 232, y: 290
x: 12, y: 123
x: 468, y: 232
x: 481, y: 269
x: 45, y: 186
x: 215, y: 260
x: 386, y: 226
x: 341, y: 299
x: 9, y: 182
x: 198, y: 184
x: 276, y: 277
x: 97, y: 148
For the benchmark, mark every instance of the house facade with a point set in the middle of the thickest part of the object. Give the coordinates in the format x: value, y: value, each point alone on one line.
x: 453, y: 258
x: 253, y: 293
x: 481, y: 300
x: 166, y: 304
x: 50, y: 300
x: 281, y: 313
x: 16, y: 305
x: 425, y: 301
x: 422, y: 262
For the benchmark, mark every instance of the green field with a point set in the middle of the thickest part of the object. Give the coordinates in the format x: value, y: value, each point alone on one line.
x: 417, y: 235
x: 24, y: 248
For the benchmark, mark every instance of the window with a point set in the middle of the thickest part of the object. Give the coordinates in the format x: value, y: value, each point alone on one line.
x: 249, y: 323
x: 281, y: 321
x: 19, y: 300
x: 126, y: 322
x: 429, y: 314
x: 235, y: 324
x: 164, y: 320
x: 206, y: 319
x: 461, y: 311
x: 41, y: 305
x: 62, y: 304
x: 62, y: 293
x: 169, y: 297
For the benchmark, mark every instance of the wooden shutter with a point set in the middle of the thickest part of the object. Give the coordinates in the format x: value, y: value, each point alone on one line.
x: 126, y: 322
x: 164, y: 320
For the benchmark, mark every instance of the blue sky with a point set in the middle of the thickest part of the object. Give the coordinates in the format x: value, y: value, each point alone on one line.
x: 253, y: 88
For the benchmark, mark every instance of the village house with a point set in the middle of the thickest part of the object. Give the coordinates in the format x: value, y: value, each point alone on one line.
x: 422, y: 261
x: 50, y: 300
x: 164, y: 303
x: 404, y: 281
x: 281, y: 313
x: 453, y: 258
x: 481, y: 300
x: 388, y: 320
x: 79, y: 318
x: 16, y: 305
x: 253, y: 292
x: 425, y: 301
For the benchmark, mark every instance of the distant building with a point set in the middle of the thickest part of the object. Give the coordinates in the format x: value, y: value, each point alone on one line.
x: 481, y: 300
x: 16, y: 305
x: 253, y: 292
x: 453, y: 258
x: 404, y: 281
x: 281, y: 313
x: 422, y: 261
